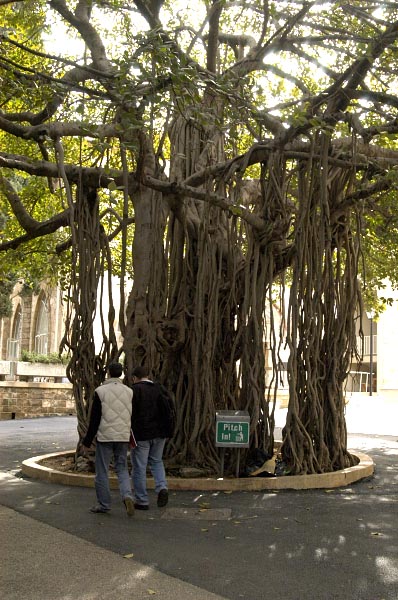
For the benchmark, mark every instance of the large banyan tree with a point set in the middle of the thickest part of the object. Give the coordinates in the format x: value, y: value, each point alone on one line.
x: 217, y: 154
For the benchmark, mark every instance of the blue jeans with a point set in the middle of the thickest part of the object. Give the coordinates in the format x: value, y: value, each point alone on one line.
x: 103, y: 454
x: 148, y: 452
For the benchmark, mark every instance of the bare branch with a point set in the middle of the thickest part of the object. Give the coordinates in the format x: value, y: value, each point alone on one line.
x: 34, y: 229
x: 175, y: 189
x: 25, y: 220
x: 100, y: 177
x: 81, y: 22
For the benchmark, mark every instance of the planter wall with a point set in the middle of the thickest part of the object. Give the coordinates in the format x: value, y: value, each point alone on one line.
x: 20, y: 400
x: 34, y: 390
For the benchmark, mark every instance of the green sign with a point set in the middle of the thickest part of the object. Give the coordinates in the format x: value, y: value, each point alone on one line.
x: 232, y: 433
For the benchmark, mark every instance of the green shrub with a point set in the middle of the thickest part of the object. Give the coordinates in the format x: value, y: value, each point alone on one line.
x: 51, y: 358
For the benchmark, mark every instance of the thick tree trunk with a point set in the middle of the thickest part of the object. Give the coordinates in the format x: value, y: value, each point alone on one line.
x: 195, y: 315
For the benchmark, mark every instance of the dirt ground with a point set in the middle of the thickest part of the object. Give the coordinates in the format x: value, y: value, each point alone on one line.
x: 60, y: 463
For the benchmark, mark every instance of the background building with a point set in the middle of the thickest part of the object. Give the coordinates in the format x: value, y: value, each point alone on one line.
x: 36, y: 323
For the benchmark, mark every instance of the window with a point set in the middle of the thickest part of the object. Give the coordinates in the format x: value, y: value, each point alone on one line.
x: 14, y: 343
x: 41, y: 333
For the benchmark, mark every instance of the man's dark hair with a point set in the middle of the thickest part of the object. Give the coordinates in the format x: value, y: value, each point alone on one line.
x: 115, y: 369
x: 140, y: 372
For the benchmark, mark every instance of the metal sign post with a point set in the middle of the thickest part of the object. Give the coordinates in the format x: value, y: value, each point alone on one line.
x: 232, y: 431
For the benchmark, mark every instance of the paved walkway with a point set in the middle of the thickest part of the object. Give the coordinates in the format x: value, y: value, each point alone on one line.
x: 44, y: 563
x: 339, y: 544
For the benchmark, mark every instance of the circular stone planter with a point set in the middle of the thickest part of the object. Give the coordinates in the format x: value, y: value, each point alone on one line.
x: 33, y: 467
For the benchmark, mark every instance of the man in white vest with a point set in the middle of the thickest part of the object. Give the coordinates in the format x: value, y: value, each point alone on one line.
x: 110, y: 421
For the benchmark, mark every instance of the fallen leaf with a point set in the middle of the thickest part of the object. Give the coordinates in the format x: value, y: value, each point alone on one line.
x: 276, y: 528
x: 128, y: 556
x: 151, y: 592
x: 204, y: 530
x: 376, y: 533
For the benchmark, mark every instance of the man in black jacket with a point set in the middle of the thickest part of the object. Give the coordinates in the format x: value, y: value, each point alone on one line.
x: 150, y: 430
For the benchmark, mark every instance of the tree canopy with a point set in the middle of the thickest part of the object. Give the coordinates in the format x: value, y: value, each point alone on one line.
x: 208, y: 151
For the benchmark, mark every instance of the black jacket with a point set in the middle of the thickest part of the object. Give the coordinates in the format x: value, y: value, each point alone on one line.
x: 147, y: 420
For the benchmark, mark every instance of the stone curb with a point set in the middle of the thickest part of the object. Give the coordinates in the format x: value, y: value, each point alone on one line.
x: 32, y: 467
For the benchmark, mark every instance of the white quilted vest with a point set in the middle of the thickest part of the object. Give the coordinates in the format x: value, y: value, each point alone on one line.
x: 116, y: 406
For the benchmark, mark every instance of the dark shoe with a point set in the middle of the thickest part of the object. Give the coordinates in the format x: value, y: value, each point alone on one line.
x: 99, y: 509
x: 163, y: 498
x: 141, y: 506
x: 129, y: 504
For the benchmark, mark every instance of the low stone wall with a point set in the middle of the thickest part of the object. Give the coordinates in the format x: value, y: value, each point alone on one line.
x: 39, y: 372
x: 19, y: 400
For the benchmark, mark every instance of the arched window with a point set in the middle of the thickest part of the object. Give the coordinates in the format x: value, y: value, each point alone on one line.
x: 41, y: 332
x: 14, y: 343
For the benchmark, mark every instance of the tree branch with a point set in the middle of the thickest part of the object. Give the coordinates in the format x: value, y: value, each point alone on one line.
x: 176, y: 189
x: 25, y: 220
x: 34, y: 229
x: 98, y: 176
x: 80, y: 20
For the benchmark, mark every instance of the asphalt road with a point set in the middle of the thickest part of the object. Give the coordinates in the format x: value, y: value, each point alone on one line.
x: 339, y: 544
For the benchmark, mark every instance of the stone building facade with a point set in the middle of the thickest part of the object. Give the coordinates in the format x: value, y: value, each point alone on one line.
x: 36, y: 323
x: 30, y: 389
